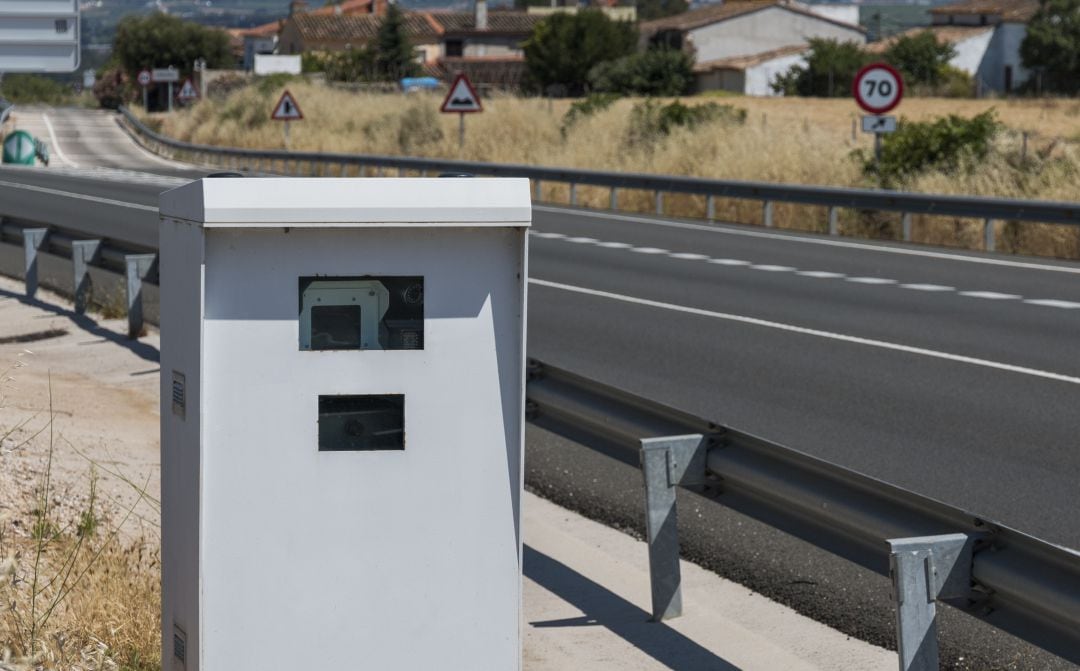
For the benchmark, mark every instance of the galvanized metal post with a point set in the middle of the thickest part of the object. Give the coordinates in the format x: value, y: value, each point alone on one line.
x: 766, y: 213
x: 659, y: 202
x: 614, y: 204
x: 83, y: 253
x: 925, y: 569
x: 573, y: 193
x: 33, y: 240
x: 834, y: 221
x: 138, y: 267
x: 667, y: 462
x: 988, y: 235
x: 905, y: 226
x: 710, y: 207
x: 401, y: 172
x: 538, y: 187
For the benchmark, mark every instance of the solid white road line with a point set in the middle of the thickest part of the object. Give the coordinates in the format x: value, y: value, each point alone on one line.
x: 78, y: 196
x: 985, y: 363
x: 727, y: 230
x: 56, y: 143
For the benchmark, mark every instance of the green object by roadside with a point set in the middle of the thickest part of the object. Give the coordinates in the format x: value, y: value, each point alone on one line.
x: 19, y: 148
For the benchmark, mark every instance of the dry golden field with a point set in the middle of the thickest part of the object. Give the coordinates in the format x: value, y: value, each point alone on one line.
x: 805, y: 141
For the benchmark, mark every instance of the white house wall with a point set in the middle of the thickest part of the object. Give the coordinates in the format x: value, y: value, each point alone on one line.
x: 842, y: 13
x: 762, y: 31
x: 1004, y: 50
x: 759, y: 78
x: 971, y: 52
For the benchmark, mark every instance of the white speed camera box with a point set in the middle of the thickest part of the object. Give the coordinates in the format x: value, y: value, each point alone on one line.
x: 342, y: 366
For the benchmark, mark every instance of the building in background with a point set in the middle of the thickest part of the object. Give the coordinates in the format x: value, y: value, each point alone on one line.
x: 757, y: 34
x: 987, y: 35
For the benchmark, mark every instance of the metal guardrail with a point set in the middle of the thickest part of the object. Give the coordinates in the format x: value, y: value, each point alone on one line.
x: 990, y: 210
x: 933, y: 551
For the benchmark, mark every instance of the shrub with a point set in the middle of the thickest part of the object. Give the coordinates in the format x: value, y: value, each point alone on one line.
x: 563, y: 48
x: 28, y: 89
x: 921, y: 58
x: 944, y: 145
x: 222, y: 87
x: 656, y: 72
x: 586, y: 107
x: 352, y: 65
x: 112, y: 89
x: 650, y: 121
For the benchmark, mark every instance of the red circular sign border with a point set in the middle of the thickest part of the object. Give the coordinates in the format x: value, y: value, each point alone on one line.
x: 875, y: 66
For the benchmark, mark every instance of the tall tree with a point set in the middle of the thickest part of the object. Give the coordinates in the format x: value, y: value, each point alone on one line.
x: 564, y: 47
x: 830, y: 68
x: 1052, y: 46
x: 920, y: 57
x: 159, y: 40
x: 394, y: 57
x: 647, y: 10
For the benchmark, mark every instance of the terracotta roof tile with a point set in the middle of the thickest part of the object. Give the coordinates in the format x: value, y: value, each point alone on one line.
x: 744, y: 62
x: 357, y: 28
x: 729, y: 9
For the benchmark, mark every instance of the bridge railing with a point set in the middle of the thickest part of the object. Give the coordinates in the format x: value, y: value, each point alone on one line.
x: 992, y: 211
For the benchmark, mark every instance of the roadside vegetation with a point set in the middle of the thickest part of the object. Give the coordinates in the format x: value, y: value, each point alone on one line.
x: 78, y: 592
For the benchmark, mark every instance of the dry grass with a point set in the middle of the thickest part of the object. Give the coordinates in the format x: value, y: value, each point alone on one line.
x: 76, y: 594
x: 802, y: 141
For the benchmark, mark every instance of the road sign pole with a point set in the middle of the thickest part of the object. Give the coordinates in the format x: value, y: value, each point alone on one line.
x: 286, y: 134
x: 145, y: 100
x: 170, y: 96
x: 877, y: 149
x: 461, y: 130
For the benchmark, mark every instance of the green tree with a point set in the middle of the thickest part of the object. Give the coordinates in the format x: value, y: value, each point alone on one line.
x: 920, y: 58
x: 830, y: 68
x: 394, y: 56
x: 1052, y: 46
x: 159, y: 40
x: 647, y: 10
x: 563, y: 48
x: 655, y: 72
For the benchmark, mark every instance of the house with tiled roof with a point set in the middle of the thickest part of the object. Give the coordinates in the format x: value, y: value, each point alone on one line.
x: 722, y: 36
x: 987, y: 35
x: 484, y: 45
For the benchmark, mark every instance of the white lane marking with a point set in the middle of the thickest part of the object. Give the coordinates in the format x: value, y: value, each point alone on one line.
x: 871, y: 280
x: 772, y: 269
x: 1054, y: 303
x: 689, y: 256
x: 729, y: 262
x: 79, y: 196
x: 820, y: 274
x: 650, y: 250
x: 990, y: 295
x: 812, y: 241
x: 582, y: 241
x: 927, y: 287
x: 948, y: 356
x: 56, y: 143
x: 549, y: 236
x: 615, y: 245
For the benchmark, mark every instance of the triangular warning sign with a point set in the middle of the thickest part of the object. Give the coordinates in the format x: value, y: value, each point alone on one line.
x: 188, y: 91
x: 286, y: 109
x: 462, y: 97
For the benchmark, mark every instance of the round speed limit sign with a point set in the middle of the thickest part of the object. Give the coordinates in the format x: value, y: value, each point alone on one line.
x: 878, y: 88
x: 144, y: 78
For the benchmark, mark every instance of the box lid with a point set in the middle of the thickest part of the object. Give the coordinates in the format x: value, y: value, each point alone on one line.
x: 321, y: 202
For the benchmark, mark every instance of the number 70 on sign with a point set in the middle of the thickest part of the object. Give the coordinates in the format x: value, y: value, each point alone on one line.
x: 878, y: 88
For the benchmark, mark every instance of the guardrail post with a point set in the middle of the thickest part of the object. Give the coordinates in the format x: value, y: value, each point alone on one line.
x: 659, y: 202
x: 905, y: 226
x: 988, y: 235
x: 83, y: 253
x: 766, y: 213
x: 401, y: 172
x: 614, y: 204
x: 138, y: 267
x: 665, y: 463
x: 33, y: 240
x: 925, y: 569
x: 710, y: 207
x: 538, y: 188
x: 573, y: 193
x: 834, y: 220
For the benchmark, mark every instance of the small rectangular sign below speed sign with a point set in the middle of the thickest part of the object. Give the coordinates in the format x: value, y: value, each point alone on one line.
x: 878, y: 124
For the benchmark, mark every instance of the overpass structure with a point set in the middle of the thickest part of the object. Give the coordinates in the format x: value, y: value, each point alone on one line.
x: 951, y: 376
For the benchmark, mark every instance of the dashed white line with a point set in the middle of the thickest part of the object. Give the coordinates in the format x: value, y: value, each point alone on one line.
x: 820, y: 274
x: 614, y: 245
x: 990, y: 295
x: 650, y: 250
x: 550, y: 236
x: 772, y: 269
x: 791, y: 328
x: 1054, y: 303
x: 871, y: 280
x: 582, y: 241
x: 688, y: 256
x: 729, y: 262
x: 927, y: 287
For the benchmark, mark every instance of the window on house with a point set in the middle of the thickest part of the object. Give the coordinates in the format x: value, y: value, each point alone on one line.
x: 455, y: 48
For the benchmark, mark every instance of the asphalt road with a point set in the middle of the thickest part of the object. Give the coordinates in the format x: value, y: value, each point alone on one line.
x: 956, y: 375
